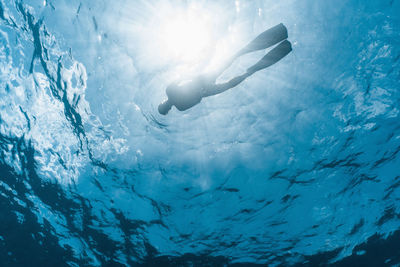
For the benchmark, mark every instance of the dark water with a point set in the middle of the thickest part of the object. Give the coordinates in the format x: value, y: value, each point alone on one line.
x: 299, y: 165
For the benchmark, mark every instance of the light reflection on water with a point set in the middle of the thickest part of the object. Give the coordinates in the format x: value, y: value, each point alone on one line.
x: 300, y: 159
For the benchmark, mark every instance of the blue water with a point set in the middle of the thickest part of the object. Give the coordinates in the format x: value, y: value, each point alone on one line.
x: 298, y: 165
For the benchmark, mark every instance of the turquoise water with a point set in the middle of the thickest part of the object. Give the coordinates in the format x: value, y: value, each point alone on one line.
x: 298, y: 165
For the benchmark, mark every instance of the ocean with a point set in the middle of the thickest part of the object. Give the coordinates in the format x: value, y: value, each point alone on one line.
x: 295, y: 166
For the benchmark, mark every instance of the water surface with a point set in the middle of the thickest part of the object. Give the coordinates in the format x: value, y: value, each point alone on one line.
x: 297, y: 165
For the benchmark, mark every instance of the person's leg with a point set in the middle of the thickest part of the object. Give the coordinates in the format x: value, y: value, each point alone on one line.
x: 266, y: 39
x: 219, y: 88
x: 273, y: 56
x: 276, y: 54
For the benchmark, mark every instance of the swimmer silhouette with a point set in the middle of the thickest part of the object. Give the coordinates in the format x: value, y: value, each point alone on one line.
x: 185, y: 96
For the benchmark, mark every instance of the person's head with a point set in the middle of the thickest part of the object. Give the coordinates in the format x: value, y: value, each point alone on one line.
x: 164, y: 107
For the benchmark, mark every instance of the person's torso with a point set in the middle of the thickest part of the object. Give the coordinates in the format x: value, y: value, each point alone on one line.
x: 186, y: 95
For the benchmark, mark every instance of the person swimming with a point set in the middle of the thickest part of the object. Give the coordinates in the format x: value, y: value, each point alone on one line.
x: 186, y: 95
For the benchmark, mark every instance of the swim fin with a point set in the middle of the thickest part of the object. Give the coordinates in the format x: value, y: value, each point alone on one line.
x: 266, y: 39
x: 273, y: 56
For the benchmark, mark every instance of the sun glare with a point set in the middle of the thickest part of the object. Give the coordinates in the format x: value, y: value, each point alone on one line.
x: 187, y: 36
x: 181, y: 38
